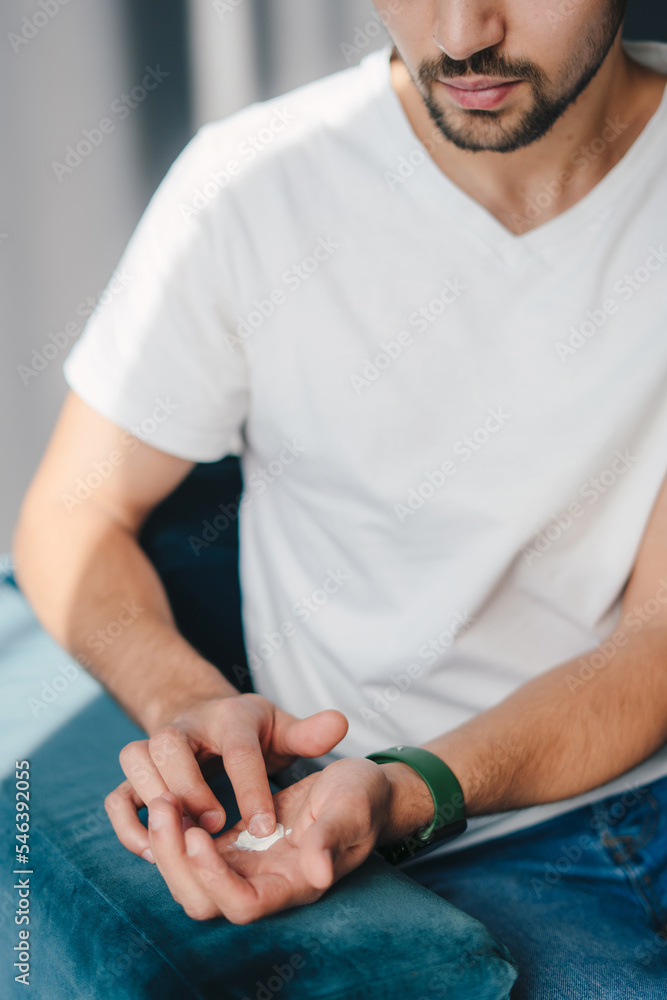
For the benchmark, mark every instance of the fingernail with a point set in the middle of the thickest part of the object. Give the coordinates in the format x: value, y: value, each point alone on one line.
x: 211, y: 820
x: 261, y: 825
x: 187, y: 823
x: 148, y: 855
x: 155, y: 820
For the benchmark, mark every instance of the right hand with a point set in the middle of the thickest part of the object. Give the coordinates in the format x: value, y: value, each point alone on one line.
x: 248, y: 733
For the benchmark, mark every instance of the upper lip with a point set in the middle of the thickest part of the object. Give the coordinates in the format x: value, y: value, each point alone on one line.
x: 477, y: 83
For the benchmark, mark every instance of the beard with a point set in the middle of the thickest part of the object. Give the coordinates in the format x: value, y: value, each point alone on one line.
x: 477, y: 129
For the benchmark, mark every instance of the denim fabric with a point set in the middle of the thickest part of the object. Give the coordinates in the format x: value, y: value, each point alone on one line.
x: 580, y: 900
x: 104, y: 925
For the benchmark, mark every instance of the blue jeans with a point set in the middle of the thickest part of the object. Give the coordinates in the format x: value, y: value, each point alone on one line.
x: 580, y: 900
x: 103, y: 925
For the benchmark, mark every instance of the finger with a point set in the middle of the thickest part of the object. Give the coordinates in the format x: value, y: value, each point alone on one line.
x: 241, y: 900
x: 313, y: 736
x: 246, y: 769
x: 121, y: 806
x: 321, y: 844
x: 179, y: 770
x: 168, y: 846
x: 140, y: 770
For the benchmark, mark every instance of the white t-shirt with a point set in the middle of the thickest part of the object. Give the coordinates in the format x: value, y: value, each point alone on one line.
x: 452, y: 436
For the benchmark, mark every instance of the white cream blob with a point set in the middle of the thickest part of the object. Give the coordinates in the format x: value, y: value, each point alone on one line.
x: 246, y: 841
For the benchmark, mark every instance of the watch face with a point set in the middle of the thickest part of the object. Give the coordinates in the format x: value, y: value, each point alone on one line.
x: 415, y: 845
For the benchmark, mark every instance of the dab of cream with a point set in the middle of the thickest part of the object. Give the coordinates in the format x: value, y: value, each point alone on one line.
x: 246, y: 841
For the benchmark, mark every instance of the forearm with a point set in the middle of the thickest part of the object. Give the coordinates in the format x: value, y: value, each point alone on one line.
x: 98, y: 595
x: 567, y: 731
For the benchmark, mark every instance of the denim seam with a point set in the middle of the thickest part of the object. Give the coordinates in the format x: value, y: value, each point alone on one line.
x: 196, y: 993
x: 199, y: 996
x: 362, y: 990
x: 618, y: 853
x: 649, y: 824
x: 127, y: 920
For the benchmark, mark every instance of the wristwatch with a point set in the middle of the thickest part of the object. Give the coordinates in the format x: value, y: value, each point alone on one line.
x: 449, y: 820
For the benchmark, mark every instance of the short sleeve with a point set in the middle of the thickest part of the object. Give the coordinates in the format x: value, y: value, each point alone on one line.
x: 154, y: 357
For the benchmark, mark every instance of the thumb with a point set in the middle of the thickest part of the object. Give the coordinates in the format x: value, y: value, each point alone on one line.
x: 319, y: 845
x: 315, y: 735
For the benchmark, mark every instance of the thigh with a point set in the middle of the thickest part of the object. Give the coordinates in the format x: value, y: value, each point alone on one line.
x: 580, y: 901
x: 104, y: 925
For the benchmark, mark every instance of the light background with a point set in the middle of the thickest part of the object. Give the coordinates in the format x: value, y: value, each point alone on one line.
x: 61, y: 239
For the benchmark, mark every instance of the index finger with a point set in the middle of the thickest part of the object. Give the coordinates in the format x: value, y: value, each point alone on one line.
x: 245, y: 766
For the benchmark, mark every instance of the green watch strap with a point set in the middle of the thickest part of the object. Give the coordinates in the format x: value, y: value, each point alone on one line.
x: 449, y: 819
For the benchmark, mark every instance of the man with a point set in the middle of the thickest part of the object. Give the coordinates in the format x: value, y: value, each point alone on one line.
x: 424, y: 299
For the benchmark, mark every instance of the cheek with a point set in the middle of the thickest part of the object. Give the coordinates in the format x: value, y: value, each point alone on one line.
x: 552, y: 32
x: 410, y: 24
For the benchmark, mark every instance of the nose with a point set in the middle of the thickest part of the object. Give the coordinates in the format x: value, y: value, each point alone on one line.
x: 463, y: 27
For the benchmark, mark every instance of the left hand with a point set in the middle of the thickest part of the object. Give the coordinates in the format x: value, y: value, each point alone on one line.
x: 336, y: 817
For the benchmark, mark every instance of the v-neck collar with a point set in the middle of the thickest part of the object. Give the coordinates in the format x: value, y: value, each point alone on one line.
x: 432, y: 184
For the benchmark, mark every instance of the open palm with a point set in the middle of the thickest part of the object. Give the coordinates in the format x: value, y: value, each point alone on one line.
x: 334, y: 818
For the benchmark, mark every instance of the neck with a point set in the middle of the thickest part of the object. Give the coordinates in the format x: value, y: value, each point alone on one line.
x: 585, y: 143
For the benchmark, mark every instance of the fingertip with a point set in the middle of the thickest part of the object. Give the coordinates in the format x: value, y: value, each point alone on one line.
x: 343, y: 720
x: 194, y: 841
x: 212, y: 820
x: 262, y: 824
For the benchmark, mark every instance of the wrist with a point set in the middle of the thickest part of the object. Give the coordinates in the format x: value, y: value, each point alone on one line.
x: 172, y: 700
x: 410, y: 805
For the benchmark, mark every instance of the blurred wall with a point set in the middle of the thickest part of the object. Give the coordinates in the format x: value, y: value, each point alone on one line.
x: 65, y: 216
x: 64, y: 223
x: 248, y: 50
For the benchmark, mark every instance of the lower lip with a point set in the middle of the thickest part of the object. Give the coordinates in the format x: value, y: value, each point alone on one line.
x: 481, y: 99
